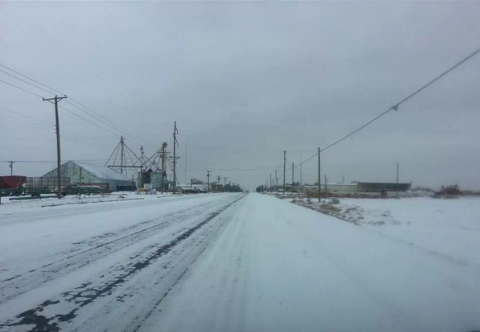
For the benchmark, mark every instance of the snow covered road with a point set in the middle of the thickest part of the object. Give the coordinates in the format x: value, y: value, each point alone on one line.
x: 228, y: 262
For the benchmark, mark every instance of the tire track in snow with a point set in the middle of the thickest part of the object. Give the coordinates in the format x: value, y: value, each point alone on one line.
x: 101, y: 246
x: 88, y: 293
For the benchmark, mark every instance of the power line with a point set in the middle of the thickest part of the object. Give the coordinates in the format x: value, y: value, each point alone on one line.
x: 67, y: 110
x: 40, y: 125
x: 31, y: 79
x: 93, y: 123
x: 25, y: 122
x: 38, y: 87
x: 230, y: 169
x: 26, y: 116
x: 85, y: 110
x: 17, y: 87
x: 95, y: 117
x: 395, y: 107
x: 50, y: 161
x: 103, y: 119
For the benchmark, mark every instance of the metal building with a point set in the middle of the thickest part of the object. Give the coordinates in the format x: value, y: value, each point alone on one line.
x: 80, y: 172
x: 337, y: 188
x: 379, y: 187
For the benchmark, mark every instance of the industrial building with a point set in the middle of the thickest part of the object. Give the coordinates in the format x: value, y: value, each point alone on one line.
x: 331, y: 188
x: 154, y: 180
x: 365, y: 187
x: 354, y: 187
x: 80, y: 172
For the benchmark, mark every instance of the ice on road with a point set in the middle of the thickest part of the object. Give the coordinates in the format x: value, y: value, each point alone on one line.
x: 228, y: 262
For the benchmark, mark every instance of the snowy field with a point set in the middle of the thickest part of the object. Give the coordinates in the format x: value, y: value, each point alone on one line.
x: 449, y: 228
x: 9, y: 204
x: 234, y: 262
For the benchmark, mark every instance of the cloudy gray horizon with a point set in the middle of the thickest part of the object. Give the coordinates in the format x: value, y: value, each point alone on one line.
x: 246, y: 81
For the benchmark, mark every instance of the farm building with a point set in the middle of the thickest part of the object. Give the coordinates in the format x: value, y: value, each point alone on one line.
x: 80, y: 172
x: 331, y: 188
x: 153, y: 180
x: 356, y: 187
x: 381, y: 186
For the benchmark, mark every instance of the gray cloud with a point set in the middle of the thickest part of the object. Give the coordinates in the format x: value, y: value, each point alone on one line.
x: 247, y: 80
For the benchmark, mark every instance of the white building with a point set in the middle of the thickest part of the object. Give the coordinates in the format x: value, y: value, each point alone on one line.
x: 80, y: 172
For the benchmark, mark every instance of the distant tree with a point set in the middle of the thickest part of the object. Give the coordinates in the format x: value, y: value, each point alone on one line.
x: 235, y: 188
x: 261, y: 189
x: 196, y: 181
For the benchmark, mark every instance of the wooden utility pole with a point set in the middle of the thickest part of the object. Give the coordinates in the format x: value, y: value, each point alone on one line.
x: 175, y: 143
x: 122, y: 154
x: 218, y: 183
x: 142, y: 164
x: 186, y: 181
x: 293, y: 174
x: 397, y: 177
x: 319, y: 177
x: 276, y: 182
x: 284, y: 164
x: 55, y: 100
x: 208, y: 181
x: 325, y: 185
x: 11, y: 167
x: 163, y: 155
x: 301, y: 171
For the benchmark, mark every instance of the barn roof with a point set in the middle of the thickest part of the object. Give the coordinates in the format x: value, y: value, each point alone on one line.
x: 102, y: 172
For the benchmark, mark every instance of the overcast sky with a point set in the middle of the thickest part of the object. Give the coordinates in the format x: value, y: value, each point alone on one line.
x: 247, y: 80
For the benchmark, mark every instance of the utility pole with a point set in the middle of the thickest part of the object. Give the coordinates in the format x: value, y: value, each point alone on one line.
x: 142, y: 163
x: 208, y: 181
x: 122, y: 153
x: 319, y: 177
x: 301, y: 171
x: 276, y: 182
x: 325, y: 185
x: 271, y: 182
x: 56, y: 99
x: 218, y: 183
x: 175, y: 143
x: 186, y: 181
x: 11, y: 167
x: 293, y: 174
x: 284, y: 163
x: 397, y: 177
x: 163, y: 155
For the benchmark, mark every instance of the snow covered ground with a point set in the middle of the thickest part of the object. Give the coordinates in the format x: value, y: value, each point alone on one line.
x: 10, y: 204
x: 233, y: 262
x: 446, y: 227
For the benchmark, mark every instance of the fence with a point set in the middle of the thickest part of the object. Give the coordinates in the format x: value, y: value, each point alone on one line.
x: 47, y: 182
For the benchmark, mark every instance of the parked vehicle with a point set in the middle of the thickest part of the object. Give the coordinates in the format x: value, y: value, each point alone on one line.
x: 12, y: 181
